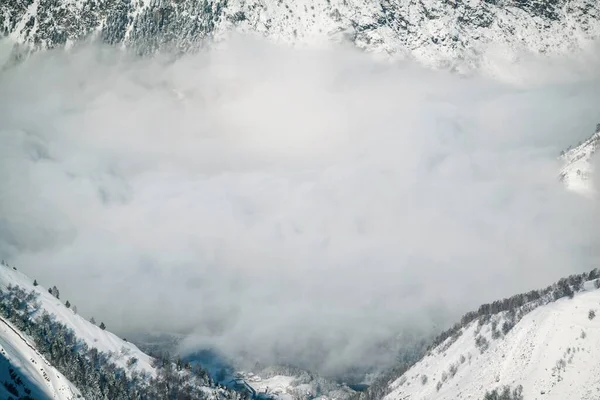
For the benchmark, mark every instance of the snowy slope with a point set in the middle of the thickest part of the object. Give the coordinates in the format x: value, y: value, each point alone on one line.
x: 577, y: 169
x: 19, y: 357
x: 281, y: 382
x: 92, y: 358
x: 461, y: 34
x: 279, y: 385
x: 105, y: 341
x: 290, y: 384
x: 553, y: 352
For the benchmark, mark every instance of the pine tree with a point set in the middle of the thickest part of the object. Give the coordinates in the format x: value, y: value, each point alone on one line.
x: 93, y: 321
x: 102, y: 326
x: 74, y: 309
x: 67, y: 304
x: 94, y: 371
x: 35, y: 282
x: 54, y: 292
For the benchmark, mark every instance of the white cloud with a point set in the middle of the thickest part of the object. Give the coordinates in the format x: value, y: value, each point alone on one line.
x: 287, y: 205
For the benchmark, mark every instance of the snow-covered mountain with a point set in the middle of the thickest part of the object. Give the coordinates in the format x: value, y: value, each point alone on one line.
x: 24, y: 371
x: 539, y: 345
x: 21, y: 361
x: 119, y: 350
x: 40, y: 336
x: 577, y: 169
x: 450, y: 33
x: 549, y: 348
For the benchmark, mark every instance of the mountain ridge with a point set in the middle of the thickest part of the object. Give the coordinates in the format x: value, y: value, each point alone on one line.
x: 493, y: 326
x: 448, y: 34
x: 18, y: 292
x: 96, y: 363
x: 461, y: 34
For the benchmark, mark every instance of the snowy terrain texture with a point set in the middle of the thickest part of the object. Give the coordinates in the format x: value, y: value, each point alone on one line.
x: 577, y: 169
x: 21, y: 362
x: 282, y: 382
x: 103, y: 340
x: 461, y: 34
x: 553, y: 352
x: 24, y: 371
x: 291, y: 383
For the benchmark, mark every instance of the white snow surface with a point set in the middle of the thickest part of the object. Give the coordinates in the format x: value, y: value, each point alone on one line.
x: 553, y: 352
x: 435, y: 33
x: 462, y: 35
x: 120, y: 351
x: 282, y: 384
x: 44, y: 381
x: 279, y: 386
x: 577, y: 170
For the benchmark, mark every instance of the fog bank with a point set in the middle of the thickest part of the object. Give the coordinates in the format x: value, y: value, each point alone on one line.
x: 289, y: 205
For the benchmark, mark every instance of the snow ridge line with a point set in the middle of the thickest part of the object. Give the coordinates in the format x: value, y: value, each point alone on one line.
x: 518, y: 305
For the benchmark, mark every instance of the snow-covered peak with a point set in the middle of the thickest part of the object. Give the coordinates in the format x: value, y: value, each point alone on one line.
x: 552, y: 352
x: 577, y: 169
x: 462, y: 34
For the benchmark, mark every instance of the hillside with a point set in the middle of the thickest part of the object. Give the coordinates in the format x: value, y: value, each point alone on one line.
x: 576, y: 173
x: 24, y: 371
x: 19, y: 353
x: 281, y: 382
x: 460, y: 34
x: 38, y: 331
x: 120, y: 351
x: 545, y: 343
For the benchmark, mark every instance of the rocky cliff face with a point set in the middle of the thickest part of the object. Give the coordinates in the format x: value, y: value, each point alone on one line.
x: 437, y: 32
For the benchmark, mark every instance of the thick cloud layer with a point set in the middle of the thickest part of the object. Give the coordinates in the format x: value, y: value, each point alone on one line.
x: 288, y: 205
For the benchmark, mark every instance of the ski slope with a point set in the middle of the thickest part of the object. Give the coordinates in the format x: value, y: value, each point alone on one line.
x: 120, y: 351
x: 33, y: 370
x: 553, y: 352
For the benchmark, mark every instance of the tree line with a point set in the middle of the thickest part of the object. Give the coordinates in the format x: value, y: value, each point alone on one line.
x: 93, y: 372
